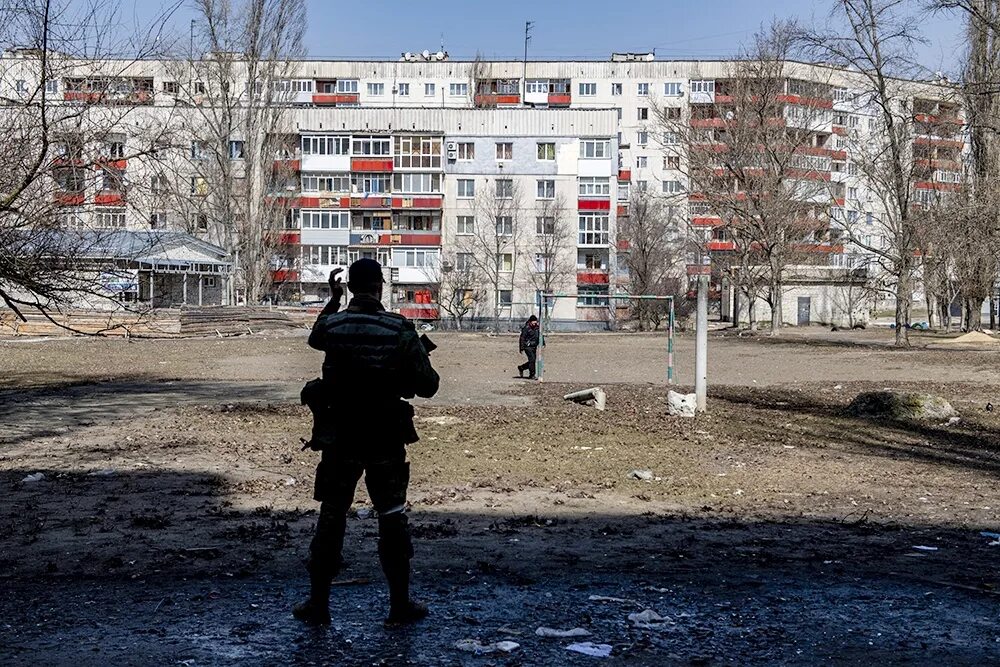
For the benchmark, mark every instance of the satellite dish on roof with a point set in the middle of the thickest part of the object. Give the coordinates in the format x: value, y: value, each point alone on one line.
x: 439, y: 55
x: 426, y: 54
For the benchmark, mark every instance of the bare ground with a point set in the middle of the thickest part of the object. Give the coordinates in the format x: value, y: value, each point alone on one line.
x: 176, y: 508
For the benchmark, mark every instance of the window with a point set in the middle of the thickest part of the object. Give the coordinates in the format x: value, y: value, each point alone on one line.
x: 505, y: 151
x: 52, y: 86
x: 593, y: 229
x: 324, y: 219
x: 593, y: 260
x: 506, y: 260
x: 416, y: 183
x: 208, y: 281
x: 415, y: 258
x: 199, y: 87
x: 672, y: 162
x: 466, y: 151
x: 643, y: 113
x: 505, y: 297
x: 588, y: 89
x: 536, y: 86
x: 116, y: 149
x: 370, y: 184
x: 642, y: 186
x: 671, y: 139
x: 643, y: 89
x: 642, y: 137
x: 158, y: 221
x: 545, y: 225
x: 672, y: 187
x: 616, y: 89
x: 325, y: 182
x: 413, y: 152
x: 505, y: 188
x: 703, y: 86
x: 623, y: 191
x: 21, y: 86
x: 466, y: 225
x: 429, y: 90
x: 852, y: 193
x: 466, y: 188
x: 641, y: 162
x: 159, y: 184
x: 841, y: 95
x: 403, y: 90
x: 458, y: 89
x: 672, y: 89
x: 110, y: 218
x: 236, y: 151
x: 326, y: 145
x: 546, y: 151
x: 672, y: 113
x: 347, y: 86
x: 463, y: 261
x: 325, y: 255
x: 199, y: 185
x: 853, y: 121
x: 546, y: 189
x: 593, y: 295
x: 595, y: 186
x: 376, y: 89
x: 373, y: 146
x: 544, y: 262
x: 199, y: 150
x: 595, y: 149
x: 505, y: 225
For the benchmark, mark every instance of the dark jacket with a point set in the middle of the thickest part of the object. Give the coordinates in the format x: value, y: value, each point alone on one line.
x: 374, y: 359
x: 529, y: 338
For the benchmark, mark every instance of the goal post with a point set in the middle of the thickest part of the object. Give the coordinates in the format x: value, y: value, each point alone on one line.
x: 545, y: 299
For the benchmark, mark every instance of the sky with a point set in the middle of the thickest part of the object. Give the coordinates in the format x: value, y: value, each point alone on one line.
x: 582, y: 29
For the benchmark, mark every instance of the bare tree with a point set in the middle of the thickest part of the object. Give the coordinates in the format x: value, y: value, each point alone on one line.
x: 651, y: 243
x: 877, y: 45
x: 493, y: 246
x: 459, y: 294
x: 237, y: 82
x: 755, y: 158
x: 553, y: 243
x: 69, y: 131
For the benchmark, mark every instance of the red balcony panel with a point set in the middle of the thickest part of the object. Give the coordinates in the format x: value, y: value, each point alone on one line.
x: 624, y: 245
x: 290, y: 165
x: 81, y: 96
x: 370, y: 165
x: 308, y: 202
x: 940, y: 143
x: 840, y: 130
x: 707, y: 122
x: 699, y: 269
x: 594, y: 204
x: 417, y: 202
x: 816, y: 102
x: 929, y: 118
x: 290, y: 238
x: 592, y: 277
x: 622, y: 210
x: 391, y: 238
x: 624, y: 175
x: 809, y: 174
x: 720, y: 246
x: 368, y: 202
x: 706, y: 221
x: 109, y: 199
x: 819, y: 248
x: 941, y: 187
x: 419, y: 312
x: 69, y: 198
x: 332, y: 98
x: 121, y: 165
x: 285, y: 275
x: 508, y: 99
x: 723, y: 99
x: 560, y: 98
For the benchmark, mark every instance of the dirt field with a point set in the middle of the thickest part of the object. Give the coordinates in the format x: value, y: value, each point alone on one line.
x: 175, y: 508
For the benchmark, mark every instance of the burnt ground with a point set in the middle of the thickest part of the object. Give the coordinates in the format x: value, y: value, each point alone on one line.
x: 175, y: 509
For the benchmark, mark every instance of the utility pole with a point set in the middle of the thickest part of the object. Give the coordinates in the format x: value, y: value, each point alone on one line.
x: 524, y: 69
x: 701, y: 345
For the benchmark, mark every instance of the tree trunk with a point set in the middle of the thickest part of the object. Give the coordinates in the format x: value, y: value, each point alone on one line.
x: 903, y: 296
x: 736, y: 307
x: 776, y: 315
x: 946, y: 315
x: 993, y: 313
x: 974, y: 314
x: 929, y: 301
x: 752, y: 314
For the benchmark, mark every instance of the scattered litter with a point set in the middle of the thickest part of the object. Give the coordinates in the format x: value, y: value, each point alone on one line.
x: 954, y: 420
x: 291, y: 481
x: 442, y: 420
x: 681, y: 405
x: 507, y: 646
x: 648, y: 619
x: 644, y: 475
x: 553, y: 632
x: 920, y: 547
x: 474, y: 646
x: 605, y: 598
x: 507, y: 630
x: 594, y: 397
x: 838, y: 386
x: 591, y: 649
x: 31, y: 479
x: 657, y: 590
x: 103, y: 472
x: 993, y: 536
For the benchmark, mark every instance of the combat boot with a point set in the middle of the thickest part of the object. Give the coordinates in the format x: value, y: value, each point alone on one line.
x: 316, y: 609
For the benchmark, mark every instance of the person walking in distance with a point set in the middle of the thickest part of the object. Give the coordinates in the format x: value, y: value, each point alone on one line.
x: 374, y: 360
x: 528, y: 345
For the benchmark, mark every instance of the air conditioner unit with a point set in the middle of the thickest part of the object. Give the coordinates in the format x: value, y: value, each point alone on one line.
x: 451, y: 146
x: 452, y: 155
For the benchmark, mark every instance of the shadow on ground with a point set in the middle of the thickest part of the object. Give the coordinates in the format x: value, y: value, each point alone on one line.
x: 158, y: 568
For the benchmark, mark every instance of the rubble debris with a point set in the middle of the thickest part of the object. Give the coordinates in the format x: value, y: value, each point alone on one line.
x: 35, y: 477
x: 591, y: 649
x: 900, y: 405
x: 993, y: 536
x: 681, y: 405
x: 474, y: 646
x: 921, y: 547
x: 594, y: 397
x: 553, y: 632
x: 642, y: 475
x: 648, y: 619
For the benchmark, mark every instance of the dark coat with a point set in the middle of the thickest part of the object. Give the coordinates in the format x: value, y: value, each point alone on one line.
x: 528, y: 339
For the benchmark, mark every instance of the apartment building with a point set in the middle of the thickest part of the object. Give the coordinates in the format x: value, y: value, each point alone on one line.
x: 388, y: 159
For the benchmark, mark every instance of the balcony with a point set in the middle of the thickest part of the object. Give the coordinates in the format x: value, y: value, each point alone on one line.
x: 492, y: 100
x: 592, y: 277
x: 333, y: 99
x: 109, y: 199
x: 560, y: 99
x: 69, y: 198
x: 594, y: 204
x: 371, y: 165
x: 624, y: 175
x: 285, y: 275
